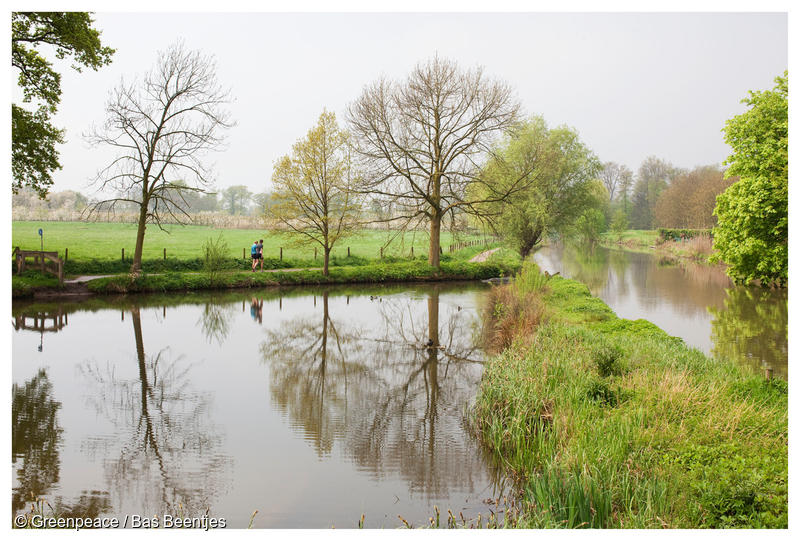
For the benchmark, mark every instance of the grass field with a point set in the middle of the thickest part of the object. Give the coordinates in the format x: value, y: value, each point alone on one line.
x: 105, y: 241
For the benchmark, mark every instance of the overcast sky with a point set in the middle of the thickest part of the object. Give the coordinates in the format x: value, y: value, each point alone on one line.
x: 633, y: 85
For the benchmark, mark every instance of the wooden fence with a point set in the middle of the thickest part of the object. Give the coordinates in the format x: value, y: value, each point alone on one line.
x: 44, y: 261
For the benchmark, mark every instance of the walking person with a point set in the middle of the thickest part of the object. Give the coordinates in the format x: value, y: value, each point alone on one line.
x: 255, y: 255
x: 261, y: 253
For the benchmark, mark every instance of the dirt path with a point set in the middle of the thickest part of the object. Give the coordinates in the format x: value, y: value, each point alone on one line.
x: 483, y: 256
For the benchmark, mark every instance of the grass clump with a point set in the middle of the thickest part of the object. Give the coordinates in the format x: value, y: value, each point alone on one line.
x: 607, y: 422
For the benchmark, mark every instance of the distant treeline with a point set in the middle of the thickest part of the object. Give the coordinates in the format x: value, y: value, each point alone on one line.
x: 662, y: 195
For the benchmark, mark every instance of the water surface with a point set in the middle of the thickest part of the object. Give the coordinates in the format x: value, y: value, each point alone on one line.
x: 313, y: 406
x: 696, y: 302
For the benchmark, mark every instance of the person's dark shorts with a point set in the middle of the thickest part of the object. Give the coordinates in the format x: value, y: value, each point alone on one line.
x: 255, y: 256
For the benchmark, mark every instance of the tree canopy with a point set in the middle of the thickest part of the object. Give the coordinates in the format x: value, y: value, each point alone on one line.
x: 34, y: 156
x: 752, y: 235
x: 558, y: 170
x: 314, y: 188
x: 422, y: 141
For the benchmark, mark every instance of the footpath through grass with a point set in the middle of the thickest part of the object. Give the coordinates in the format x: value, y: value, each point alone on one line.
x: 609, y: 422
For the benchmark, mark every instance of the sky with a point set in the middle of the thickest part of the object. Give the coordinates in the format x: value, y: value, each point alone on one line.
x: 632, y: 84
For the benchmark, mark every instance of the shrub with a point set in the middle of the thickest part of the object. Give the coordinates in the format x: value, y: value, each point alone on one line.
x: 215, y: 251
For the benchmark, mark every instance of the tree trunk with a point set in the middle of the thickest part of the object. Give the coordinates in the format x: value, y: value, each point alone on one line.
x: 327, y: 251
x: 136, y: 267
x: 436, y: 229
x: 529, y: 242
x: 433, y: 318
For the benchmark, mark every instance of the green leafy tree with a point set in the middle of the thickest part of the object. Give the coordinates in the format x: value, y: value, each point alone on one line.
x: 314, y: 188
x: 592, y: 221
x: 236, y: 199
x: 653, y: 177
x: 34, y: 156
x: 752, y: 235
x: 557, y: 171
x: 619, y: 222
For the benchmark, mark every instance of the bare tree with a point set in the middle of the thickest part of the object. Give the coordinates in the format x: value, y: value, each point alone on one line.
x: 162, y: 128
x: 616, y: 178
x: 423, y: 140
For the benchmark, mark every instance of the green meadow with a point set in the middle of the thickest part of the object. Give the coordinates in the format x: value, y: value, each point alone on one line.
x: 105, y: 241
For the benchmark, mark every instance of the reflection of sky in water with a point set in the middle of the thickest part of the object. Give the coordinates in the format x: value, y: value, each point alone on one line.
x: 257, y: 453
x: 682, y: 298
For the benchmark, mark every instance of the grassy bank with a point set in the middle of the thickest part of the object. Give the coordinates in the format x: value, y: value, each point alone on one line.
x: 697, y: 249
x: 609, y: 422
x: 103, y: 242
x: 414, y: 271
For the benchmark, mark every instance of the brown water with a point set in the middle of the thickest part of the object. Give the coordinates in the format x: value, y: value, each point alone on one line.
x: 312, y: 406
x: 698, y: 303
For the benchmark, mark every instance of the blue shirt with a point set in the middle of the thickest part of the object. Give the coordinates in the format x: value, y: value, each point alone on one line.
x: 254, y: 249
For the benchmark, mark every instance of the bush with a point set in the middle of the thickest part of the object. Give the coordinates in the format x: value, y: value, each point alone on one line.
x: 214, y: 251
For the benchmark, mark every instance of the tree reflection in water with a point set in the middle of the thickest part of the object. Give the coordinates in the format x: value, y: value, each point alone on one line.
x: 391, y: 396
x: 36, y: 440
x: 168, y: 453
x: 215, y: 321
x: 753, y: 326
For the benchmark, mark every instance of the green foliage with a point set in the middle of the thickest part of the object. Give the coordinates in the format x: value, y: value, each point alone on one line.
x: 669, y: 438
x: 34, y: 138
x: 607, y: 360
x: 619, y: 223
x: 215, y: 251
x: 418, y: 270
x: 559, y: 170
x: 752, y: 233
x: 30, y: 281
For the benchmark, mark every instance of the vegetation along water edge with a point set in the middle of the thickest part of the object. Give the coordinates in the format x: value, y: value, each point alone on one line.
x: 607, y: 422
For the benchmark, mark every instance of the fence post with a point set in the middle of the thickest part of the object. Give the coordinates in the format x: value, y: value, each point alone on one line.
x: 348, y: 251
x: 281, y: 253
x: 381, y: 252
x: 412, y: 252
x: 66, y: 254
x: 315, y: 253
x: 123, y: 255
x: 243, y: 256
x: 165, y: 254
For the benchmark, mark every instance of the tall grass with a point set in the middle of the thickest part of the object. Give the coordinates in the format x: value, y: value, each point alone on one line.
x: 608, y: 422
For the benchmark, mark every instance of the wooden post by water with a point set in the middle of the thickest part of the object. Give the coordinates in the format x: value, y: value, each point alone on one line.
x: 123, y: 255
x: 412, y: 252
x: 281, y: 253
x: 66, y: 254
x: 165, y: 254
x: 243, y: 250
x: 348, y: 251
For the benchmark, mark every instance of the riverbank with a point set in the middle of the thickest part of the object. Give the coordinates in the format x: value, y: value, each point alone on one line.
x: 698, y: 249
x: 501, y: 264
x: 608, y: 422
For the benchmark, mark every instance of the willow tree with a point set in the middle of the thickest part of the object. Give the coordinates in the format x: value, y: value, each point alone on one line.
x: 314, y: 188
x: 558, y: 171
x: 162, y: 128
x: 422, y: 141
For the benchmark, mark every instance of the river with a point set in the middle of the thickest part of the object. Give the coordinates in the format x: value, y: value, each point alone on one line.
x: 311, y: 405
x: 696, y: 302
